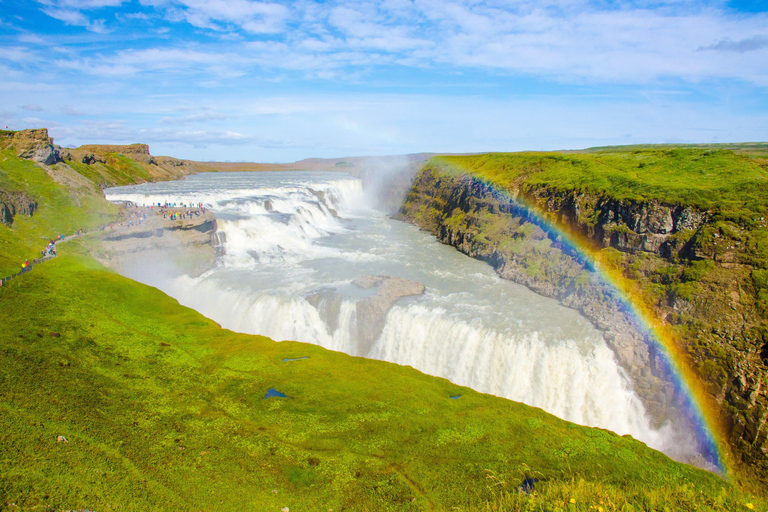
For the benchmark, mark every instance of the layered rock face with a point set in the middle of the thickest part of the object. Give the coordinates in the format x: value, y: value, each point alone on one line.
x: 187, y: 245
x: 703, y: 283
x: 628, y: 226
x: 15, y: 203
x: 33, y: 144
x: 138, y: 152
x: 157, y: 167
x: 105, y: 160
x: 371, y: 311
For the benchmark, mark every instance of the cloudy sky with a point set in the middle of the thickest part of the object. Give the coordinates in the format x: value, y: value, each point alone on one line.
x: 280, y: 81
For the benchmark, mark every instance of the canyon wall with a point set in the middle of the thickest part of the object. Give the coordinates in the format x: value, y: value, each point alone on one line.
x: 697, y: 272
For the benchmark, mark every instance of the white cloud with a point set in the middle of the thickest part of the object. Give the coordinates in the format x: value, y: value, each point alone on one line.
x: 120, y: 132
x: 562, y: 41
x: 136, y: 16
x: 200, y: 117
x: 252, y: 16
x: 170, y: 60
x: 678, y: 54
x: 70, y: 12
x: 566, y: 41
x: 35, y: 121
x: 32, y: 107
x: 81, y: 4
x: 19, y: 55
x: 197, y: 137
x: 77, y: 18
x: 624, y: 45
x: 72, y: 111
x: 31, y: 39
x: 744, y: 45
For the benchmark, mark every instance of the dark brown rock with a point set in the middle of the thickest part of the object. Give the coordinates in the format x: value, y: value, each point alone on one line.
x: 15, y: 203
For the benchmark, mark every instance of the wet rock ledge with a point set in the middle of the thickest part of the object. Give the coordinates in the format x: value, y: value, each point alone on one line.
x: 187, y: 244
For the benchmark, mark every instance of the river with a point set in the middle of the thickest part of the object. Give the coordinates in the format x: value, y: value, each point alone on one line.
x: 294, y: 242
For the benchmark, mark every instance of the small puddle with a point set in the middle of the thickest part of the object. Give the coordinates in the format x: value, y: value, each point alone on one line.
x: 455, y: 397
x: 294, y: 359
x: 273, y: 393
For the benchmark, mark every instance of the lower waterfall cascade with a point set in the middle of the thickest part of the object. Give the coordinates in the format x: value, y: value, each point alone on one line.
x: 294, y: 244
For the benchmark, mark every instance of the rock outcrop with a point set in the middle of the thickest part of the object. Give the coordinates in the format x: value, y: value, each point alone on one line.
x: 33, y: 145
x: 327, y: 302
x: 627, y: 225
x: 15, y: 203
x: 372, y: 310
x: 90, y: 159
x: 185, y: 245
x: 702, y: 276
x: 137, y: 152
x: 157, y: 167
x: 125, y: 149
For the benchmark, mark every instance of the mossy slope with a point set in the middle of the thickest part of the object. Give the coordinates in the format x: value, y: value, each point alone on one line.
x: 67, y: 201
x: 164, y: 410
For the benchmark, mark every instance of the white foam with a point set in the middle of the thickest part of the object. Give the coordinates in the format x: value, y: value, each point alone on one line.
x: 292, y: 236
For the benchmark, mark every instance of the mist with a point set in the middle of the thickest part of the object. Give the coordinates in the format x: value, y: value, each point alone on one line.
x: 294, y: 246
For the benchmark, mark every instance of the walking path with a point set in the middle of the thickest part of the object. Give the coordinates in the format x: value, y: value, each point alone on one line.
x: 48, y: 254
x: 133, y: 218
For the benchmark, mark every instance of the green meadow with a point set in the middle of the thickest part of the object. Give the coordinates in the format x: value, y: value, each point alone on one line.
x: 115, y: 397
x: 733, y: 185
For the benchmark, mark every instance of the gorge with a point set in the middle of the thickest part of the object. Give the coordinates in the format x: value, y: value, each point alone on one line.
x: 695, y: 261
x: 299, y: 252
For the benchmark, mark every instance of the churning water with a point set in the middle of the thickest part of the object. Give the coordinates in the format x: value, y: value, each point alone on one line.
x: 295, y: 241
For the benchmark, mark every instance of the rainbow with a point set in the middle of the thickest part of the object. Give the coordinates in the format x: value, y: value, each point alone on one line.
x: 701, y: 411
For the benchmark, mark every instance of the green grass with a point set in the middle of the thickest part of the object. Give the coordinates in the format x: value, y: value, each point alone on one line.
x: 580, y: 495
x: 117, y: 170
x: 60, y: 211
x: 164, y: 410
x: 736, y: 186
x: 756, y: 149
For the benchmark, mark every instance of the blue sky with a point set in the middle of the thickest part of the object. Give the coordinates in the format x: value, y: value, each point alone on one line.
x: 280, y: 81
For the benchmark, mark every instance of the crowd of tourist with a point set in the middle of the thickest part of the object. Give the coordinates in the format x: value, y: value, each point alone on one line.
x: 48, y: 252
x: 135, y: 218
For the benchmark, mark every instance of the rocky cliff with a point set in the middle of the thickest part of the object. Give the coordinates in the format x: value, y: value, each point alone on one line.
x: 702, y: 274
x: 107, y: 165
x: 187, y: 244
x: 100, y: 157
x: 32, y: 144
x: 15, y: 203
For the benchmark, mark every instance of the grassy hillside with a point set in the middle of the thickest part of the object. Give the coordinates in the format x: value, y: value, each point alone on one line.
x: 68, y: 193
x: 67, y: 201
x: 736, y: 186
x: 755, y: 149
x: 161, y: 409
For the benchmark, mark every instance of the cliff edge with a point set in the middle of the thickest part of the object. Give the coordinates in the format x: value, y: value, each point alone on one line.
x: 686, y: 227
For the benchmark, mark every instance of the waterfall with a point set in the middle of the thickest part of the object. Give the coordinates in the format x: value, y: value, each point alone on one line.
x: 295, y: 243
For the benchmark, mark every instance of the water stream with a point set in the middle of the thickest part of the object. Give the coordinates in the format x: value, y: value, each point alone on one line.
x: 295, y: 241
